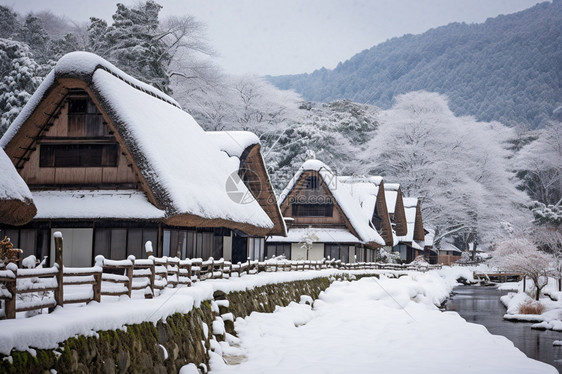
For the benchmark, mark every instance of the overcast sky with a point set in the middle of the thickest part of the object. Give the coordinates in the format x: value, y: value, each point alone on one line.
x: 295, y: 36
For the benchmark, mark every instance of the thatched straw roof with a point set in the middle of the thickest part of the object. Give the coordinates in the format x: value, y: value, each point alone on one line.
x: 16, y: 203
x: 182, y: 171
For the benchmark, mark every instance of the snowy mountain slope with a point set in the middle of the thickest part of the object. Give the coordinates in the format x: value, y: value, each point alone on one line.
x: 507, y: 69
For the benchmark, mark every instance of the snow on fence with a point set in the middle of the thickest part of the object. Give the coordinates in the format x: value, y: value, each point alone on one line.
x: 59, y: 285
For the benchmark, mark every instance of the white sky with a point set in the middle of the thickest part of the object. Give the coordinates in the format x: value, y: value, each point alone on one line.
x: 295, y: 36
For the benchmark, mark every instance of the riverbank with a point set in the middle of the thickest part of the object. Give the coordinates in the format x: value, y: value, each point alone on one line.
x: 482, y: 305
x: 387, y: 325
x: 550, y: 304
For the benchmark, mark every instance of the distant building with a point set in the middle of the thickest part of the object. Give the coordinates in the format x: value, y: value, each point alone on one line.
x: 412, y: 244
x: 331, y: 217
x: 448, y: 253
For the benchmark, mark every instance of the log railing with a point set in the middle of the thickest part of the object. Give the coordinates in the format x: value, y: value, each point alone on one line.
x: 36, y: 289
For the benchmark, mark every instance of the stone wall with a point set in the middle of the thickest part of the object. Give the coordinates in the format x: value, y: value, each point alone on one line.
x: 142, y: 348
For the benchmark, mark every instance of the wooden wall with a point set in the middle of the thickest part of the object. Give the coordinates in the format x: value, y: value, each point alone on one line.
x: 33, y: 174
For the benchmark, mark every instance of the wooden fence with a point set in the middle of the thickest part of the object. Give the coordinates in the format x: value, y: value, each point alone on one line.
x: 122, y: 277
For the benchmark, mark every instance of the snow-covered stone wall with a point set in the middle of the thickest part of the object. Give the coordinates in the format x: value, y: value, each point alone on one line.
x: 164, y: 346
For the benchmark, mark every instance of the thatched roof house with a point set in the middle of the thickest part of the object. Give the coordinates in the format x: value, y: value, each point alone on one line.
x: 411, y: 245
x: 95, y: 144
x: 16, y: 202
x: 329, y: 213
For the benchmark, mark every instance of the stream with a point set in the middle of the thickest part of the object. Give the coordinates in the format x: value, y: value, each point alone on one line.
x: 482, y: 305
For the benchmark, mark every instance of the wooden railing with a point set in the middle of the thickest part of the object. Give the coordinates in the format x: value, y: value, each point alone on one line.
x: 59, y: 285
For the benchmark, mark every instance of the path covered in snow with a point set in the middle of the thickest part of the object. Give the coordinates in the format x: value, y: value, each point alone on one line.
x: 371, y: 325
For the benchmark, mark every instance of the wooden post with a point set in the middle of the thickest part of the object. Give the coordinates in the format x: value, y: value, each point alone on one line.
x: 59, y: 292
x: 129, y: 273
x: 97, y: 286
x: 524, y: 281
x: 10, y: 304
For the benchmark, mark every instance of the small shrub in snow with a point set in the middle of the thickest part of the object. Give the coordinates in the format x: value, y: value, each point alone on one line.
x: 531, y: 307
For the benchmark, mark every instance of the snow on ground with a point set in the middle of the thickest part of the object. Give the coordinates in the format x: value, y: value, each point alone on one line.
x: 46, y: 331
x: 386, y: 325
x: 549, y: 319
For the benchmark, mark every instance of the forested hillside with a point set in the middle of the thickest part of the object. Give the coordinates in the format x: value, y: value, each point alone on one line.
x: 508, y: 69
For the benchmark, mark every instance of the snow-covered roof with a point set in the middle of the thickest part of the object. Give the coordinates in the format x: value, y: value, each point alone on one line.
x: 410, y: 207
x: 364, y: 190
x: 184, y: 169
x: 349, y: 204
x: 321, y: 235
x: 79, y: 204
x: 449, y: 247
x: 16, y: 202
x: 428, y: 239
x: 391, y: 191
x: 233, y: 142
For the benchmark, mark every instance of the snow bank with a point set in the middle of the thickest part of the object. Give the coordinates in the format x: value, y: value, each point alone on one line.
x: 95, y: 204
x: 48, y: 330
x: 386, y: 325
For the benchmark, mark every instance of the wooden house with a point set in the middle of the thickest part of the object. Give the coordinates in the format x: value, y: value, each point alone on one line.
x: 16, y: 202
x: 430, y: 252
x: 448, y: 254
x: 411, y: 245
x: 113, y: 163
x: 327, y: 219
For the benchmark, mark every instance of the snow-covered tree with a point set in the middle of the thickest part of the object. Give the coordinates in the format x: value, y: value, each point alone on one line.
x: 18, y: 79
x: 455, y: 165
x: 540, y: 165
x: 134, y: 43
x: 547, y: 233
x: 8, y: 22
x: 36, y: 37
x: 520, y: 255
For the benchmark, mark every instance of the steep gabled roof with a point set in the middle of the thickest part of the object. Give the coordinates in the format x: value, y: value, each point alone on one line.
x: 16, y: 202
x: 414, y: 219
x: 360, y: 223
x: 183, y: 171
x: 395, y: 205
x: 449, y: 247
x: 368, y: 191
x: 245, y: 146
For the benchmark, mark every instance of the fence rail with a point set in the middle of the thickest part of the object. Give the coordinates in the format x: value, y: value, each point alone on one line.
x: 59, y: 285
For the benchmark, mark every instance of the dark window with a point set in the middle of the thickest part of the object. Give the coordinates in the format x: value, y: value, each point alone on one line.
x: 118, y: 244
x: 337, y: 251
x: 78, y: 155
x: 218, y: 247
x: 312, y: 210
x: 312, y: 182
x: 377, y: 221
x: 76, y: 106
x: 28, y: 242
x: 204, y: 245
x: 102, y: 242
x: 278, y: 249
x: 190, y: 248
x: 134, y: 243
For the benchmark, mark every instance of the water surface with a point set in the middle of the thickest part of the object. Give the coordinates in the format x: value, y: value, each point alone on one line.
x: 482, y: 305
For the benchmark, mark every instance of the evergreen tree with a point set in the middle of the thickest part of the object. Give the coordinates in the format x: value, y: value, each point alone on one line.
x: 18, y: 72
x: 134, y: 43
x: 8, y: 22
x: 35, y: 36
